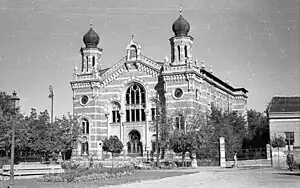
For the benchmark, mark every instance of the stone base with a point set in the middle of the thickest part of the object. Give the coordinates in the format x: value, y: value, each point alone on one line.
x: 194, y: 163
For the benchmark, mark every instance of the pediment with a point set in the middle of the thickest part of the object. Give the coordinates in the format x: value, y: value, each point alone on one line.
x: 142, y: 64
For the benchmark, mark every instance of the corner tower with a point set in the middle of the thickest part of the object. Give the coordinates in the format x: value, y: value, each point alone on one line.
x: 90, y: 54
x: 181, y: 43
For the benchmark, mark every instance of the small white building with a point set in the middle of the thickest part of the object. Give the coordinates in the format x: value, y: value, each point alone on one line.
x: 284, y: 119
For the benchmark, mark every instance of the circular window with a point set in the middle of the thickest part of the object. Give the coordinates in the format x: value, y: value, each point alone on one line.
x: 84, y: 99
x: 178, y: 93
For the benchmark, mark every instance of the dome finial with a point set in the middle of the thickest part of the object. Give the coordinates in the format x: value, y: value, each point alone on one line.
x: 91, y: 23
x: 132, y: 36
x: 180, y: 10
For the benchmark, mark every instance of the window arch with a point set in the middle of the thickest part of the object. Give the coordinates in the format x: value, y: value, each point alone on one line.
x: 135, y: 103
x: 85, y: 126
x: 185, y: 51
x: 178, y: 49
x: 133, y: 52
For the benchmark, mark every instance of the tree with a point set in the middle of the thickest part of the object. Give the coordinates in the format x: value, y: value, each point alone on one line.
x: 65, y: 133
x: 258, y: 130
x: 113, y: 145
x: 277, y: 141
x: 231, y: 126
x: 181, y: 143
x: 6, y: 116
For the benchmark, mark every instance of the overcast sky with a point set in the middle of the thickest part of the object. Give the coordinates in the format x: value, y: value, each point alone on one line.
x: 253, y: 43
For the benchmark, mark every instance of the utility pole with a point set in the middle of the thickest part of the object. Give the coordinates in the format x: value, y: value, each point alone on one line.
x: 14, y: 99
x: 51, y: 96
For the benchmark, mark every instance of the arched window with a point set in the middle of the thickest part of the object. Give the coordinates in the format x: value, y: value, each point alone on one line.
x: 82, y: 63
x: 135, y: 146
x: 133, y: 52
x: 85, y: 126
x: 135, y: 103
x: 87, y: 63
x: 116, y: 118
x: 94, y: 60
x: 178, y: 49
x: 185, y: 51
x: 179, y: 122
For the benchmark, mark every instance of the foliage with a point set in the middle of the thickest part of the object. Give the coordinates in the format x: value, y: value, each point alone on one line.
x: 6, y: 119
x: 4, y: 161
x: 258, y: 130
x: 88, y: 174
x: 113, y: 145
x: 230, y: 125
x: 278, y: 141
x: 65, y: 133
x: 35, y: 133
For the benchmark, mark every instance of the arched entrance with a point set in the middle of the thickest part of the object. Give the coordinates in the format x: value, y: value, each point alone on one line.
x: 135, y: 146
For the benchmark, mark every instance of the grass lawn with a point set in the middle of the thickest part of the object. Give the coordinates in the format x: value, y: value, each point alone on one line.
x: 137, y: 176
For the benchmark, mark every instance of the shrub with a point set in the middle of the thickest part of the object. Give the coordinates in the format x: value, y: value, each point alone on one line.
x: 296, y: 166
x: 69, y: 165
x: 86, y: 174
x: 4, y: 161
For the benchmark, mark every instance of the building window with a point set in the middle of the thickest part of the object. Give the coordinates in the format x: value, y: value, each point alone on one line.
x: 185, y: 51
x: 127, y: 116
x: 133, y: 52
x: 94, y: 61
x: 177, y: 93
x: 85, y: 126
x: 153, y: 114
x: 116, y: 116
x: 197, y: 94
x: 289, y: 138
x: 84, y: 100
x: 178, y: 49
x: 135, y: 103
x: 87, y: 64
x: 179, y: 122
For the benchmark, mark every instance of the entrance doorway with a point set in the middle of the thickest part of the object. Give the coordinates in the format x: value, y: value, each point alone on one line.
x: 135, y: 146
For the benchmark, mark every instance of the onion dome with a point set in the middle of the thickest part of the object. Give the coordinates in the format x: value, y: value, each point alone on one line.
x: 181, y: 27
x: 91, y: 38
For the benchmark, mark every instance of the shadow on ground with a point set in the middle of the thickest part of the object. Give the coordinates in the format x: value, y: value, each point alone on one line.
x: 289, y: 173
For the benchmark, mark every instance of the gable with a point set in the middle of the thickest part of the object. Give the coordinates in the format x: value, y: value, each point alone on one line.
x: 143, y: 64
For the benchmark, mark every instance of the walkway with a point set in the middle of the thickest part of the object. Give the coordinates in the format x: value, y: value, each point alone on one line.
x: 225, y: 178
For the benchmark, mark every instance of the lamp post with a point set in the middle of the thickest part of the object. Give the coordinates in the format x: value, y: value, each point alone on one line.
x: 51, y: 96
x: 14, y: 99
x: 156, y: 127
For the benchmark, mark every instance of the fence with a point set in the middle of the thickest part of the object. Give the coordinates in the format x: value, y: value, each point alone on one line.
x: 252, y: 154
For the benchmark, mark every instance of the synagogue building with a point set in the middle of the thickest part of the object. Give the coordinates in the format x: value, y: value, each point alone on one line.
x: 122, y: 100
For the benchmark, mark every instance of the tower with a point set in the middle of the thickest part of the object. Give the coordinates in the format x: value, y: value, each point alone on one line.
x: 181, y: 43
x: 90, y: 54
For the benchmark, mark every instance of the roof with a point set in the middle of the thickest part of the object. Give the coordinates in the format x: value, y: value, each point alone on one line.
x: 285, y: 104
x: 224, y: 83
x: 102, y: 71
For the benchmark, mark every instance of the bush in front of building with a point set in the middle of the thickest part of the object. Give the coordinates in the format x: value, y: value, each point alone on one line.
x: 113, y: 145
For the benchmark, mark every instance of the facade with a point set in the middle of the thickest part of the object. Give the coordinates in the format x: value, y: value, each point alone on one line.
x: 122, y: 100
